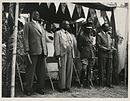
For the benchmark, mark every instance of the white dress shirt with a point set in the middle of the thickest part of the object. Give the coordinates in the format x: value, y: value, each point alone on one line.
x: 38, y: 25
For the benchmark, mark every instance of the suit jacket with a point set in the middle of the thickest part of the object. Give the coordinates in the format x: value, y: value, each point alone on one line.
x: 85, y: 46
x: 104, y: 42
x: 59, y: 43
x: 34, y: 39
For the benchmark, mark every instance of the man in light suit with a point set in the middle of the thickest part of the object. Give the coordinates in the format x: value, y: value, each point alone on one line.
x: 36, y: 51
x: 64, y: 51
x: 105, y: 48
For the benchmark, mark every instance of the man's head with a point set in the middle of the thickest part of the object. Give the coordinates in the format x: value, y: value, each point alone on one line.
x: 20, y: 25
x: 48, y: 26
x: 87, y: 27
x: 105, y: 27
x: 110, y: 31
x: 65, y: 25
x: 35, y: 15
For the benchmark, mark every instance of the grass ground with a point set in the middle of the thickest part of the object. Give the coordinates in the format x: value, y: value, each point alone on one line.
x: 77, y: 92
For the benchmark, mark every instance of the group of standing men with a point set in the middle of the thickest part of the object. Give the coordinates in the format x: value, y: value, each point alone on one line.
x: 64, y: 45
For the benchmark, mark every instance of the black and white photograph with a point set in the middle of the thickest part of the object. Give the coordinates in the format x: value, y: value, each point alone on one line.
x: 64, y: 49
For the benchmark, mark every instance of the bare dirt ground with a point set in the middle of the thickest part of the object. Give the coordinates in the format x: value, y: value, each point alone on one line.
x: 97, y: 92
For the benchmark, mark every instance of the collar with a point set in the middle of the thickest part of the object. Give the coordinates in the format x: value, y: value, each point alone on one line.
x: 104, y: 33
x: 34, y: 21
x: 65, y: 31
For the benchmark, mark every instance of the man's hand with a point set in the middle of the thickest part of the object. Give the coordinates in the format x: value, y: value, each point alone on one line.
x: 111, y: 49
x: 74, y: 60
x: 114, y: 48
x: 108, y: 49
x: 58, y: 56
x: 45, y: 56
x: 26, y: 53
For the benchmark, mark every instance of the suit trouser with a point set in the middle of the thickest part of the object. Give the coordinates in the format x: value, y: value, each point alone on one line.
x: 105, y: 71
x: 38, y: 67
x: 66, y: 70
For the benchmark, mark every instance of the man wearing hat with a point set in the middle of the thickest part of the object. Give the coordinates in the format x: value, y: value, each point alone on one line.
x: 85, y: 46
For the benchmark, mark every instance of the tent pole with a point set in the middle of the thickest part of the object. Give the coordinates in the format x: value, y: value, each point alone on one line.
x: 126, y: 60
x: 115, y: 57
x: 14, y: 51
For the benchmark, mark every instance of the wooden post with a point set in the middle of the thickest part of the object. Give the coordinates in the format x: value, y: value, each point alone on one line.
x: 14, y: 50
x: 126, y: 60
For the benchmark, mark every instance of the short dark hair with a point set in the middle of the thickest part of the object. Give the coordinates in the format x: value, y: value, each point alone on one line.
x: 33, y: 13
x: 63, y: 23
x: 104, y: 25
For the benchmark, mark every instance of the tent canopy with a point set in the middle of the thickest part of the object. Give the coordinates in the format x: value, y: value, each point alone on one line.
x: 51, y: 14
x: 99, y: 6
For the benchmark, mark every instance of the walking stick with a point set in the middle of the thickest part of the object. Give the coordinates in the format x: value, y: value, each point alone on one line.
x: 49, y: 75
x: 20, y: 77
x: 77, y: 74
x: 91, y: 82
x: 31, y: 64
x: 29, y: 59
x: 59, y: 63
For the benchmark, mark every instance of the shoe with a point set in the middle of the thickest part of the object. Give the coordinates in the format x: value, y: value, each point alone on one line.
x: 68, y: 90
x: 40, y: 91
x: 61, y: 90
x: 89, y: 87
x: 110, y: 86
x: 28, y: 93
x: 81, y: 85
